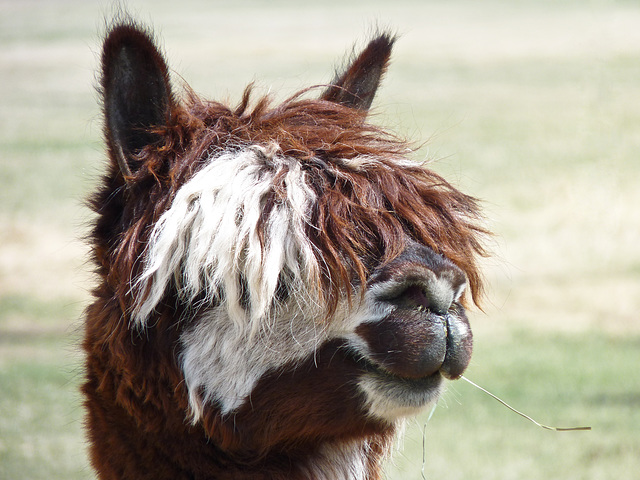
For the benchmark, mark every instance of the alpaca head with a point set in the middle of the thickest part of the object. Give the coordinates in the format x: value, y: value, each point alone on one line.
x: 287, y: 271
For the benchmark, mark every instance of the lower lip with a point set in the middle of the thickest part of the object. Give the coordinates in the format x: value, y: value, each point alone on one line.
x: 413, y: 384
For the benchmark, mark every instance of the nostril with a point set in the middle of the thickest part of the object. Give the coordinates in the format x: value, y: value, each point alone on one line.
x: 414, y: 297
x: 431, y: 294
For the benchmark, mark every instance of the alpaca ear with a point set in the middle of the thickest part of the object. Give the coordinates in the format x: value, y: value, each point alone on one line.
x: 357, y: 85
x: 136, y: 93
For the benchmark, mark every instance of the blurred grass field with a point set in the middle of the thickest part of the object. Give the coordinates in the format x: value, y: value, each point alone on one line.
x: 533, y: 106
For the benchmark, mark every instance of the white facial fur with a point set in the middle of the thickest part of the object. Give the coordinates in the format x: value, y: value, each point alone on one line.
x: 210, y: 235
x: 223, y: 360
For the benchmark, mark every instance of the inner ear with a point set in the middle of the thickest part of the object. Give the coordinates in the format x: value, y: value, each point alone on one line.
x: 136, y: 93
x: 356, y: 86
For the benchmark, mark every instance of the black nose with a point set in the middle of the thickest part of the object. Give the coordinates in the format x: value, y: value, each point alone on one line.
x: 423, y: 329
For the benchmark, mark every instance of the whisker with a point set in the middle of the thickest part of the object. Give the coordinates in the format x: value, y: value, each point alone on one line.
x: 424, y: 437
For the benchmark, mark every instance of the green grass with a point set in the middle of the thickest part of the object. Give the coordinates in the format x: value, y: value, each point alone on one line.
x: 40, y: 420
x: 532, y: 106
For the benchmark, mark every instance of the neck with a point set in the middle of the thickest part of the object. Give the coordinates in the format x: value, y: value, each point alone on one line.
x: 138, y: 427
x: 123, y: 450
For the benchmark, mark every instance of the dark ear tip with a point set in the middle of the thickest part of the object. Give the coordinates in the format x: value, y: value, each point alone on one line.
x: 120, y: 34
x: 356, y: 86
x: 124, y: 25
x: 383, y: 42
x: 130, y: 36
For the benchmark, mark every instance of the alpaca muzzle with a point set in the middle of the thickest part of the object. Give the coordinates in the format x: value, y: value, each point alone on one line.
x: 418, y: 332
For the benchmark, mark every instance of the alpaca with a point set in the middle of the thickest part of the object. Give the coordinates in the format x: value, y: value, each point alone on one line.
x: 279, y: 285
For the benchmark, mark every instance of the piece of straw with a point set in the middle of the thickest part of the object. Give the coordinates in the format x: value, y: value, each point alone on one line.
x: 546, y: 427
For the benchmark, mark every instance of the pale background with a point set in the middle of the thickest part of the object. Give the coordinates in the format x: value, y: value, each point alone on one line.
x: 532, y: 106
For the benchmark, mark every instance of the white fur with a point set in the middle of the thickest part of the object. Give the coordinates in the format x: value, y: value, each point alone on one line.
x: 347, y: 461
x: 209, y: 236
x: 222, y: 359
x: 391, y: 400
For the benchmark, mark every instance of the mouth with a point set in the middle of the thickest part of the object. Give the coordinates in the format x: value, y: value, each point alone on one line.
x: 390, y: 396
x: 374, y: 369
